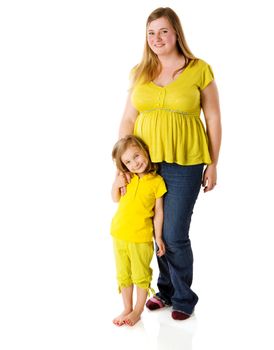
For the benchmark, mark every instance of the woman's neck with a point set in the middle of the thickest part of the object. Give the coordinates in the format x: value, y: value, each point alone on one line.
x: 172, y: 60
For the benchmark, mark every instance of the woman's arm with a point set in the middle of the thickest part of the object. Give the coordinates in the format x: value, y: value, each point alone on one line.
x: 158, y: 225
x: 211, y: 109
x: 129, y: 116
x: 126, y: 128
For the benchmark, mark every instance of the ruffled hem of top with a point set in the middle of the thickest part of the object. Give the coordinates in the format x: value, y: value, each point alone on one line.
x: 173, y: 137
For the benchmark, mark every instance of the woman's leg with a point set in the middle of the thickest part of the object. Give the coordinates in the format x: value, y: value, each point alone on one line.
x: 176, y: 268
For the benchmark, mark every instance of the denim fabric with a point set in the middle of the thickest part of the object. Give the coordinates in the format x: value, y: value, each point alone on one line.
x: 176, y: 266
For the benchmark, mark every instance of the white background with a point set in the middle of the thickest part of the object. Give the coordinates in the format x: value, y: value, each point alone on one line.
x: 64, y: 80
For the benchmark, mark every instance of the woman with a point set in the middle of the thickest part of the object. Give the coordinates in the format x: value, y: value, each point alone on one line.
x: 170, y: 87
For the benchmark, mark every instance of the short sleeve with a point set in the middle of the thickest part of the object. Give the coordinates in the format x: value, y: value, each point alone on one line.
x: 161, y: 188
x: 206, y: 76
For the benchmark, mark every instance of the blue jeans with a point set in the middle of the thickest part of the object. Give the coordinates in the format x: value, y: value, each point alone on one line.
x: 176, y: 266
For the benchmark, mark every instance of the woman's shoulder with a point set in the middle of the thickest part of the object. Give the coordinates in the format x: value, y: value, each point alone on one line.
x: 198, y: 63
x: 201, y: 72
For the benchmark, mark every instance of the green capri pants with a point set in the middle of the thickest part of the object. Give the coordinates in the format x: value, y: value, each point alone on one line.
x: 133, y: 263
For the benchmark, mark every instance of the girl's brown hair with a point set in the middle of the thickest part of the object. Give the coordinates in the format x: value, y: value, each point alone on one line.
x: 121, y: 146
x: 150, y: 67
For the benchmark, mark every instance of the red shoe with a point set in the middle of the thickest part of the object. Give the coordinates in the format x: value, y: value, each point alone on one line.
x: 179, y: 315
x: 154, y: 304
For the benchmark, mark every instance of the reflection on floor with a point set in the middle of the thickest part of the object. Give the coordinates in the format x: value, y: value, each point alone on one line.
x: 156, y: 330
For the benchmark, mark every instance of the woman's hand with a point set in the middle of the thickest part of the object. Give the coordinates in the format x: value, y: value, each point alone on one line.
x: 123, y: 179
x: 209, y: 178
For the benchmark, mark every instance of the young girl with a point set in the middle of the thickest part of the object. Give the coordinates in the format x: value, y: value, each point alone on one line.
x: 139, y: 217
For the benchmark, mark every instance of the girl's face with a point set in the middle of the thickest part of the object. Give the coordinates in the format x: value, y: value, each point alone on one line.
x: 135, y: 160
x: 161, y: 37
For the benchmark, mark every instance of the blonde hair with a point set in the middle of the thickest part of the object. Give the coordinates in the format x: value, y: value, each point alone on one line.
x: 122, y: 145
x: 150, y: 67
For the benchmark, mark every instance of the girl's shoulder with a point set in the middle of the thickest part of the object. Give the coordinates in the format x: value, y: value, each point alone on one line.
x: 154, y: 177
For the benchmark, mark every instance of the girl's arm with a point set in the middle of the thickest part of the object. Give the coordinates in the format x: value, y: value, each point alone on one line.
x: 158, y: 225
x: 211, y: 110
x: 128, y: 119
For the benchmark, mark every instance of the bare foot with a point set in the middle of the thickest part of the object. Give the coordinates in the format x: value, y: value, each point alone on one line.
x: 120, y: 320
x: 132, y: 318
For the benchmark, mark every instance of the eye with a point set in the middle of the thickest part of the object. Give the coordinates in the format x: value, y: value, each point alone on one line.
x: 150, y: 33
x: 165, y: 31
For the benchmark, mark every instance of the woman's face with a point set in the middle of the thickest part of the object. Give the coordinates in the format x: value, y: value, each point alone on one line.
x: 161, y: 37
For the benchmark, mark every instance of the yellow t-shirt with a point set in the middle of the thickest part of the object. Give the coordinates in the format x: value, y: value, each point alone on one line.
x: 169, y: 117
x: 133, y: 219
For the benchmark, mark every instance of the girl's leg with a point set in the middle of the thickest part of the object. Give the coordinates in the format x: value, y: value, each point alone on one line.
x: 123, y: 278
x: 135, y: 315
x: 141, y: 255
x: 127, y: 295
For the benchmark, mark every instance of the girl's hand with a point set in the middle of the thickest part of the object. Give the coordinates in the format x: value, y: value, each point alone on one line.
x: 209, y: 178
x: 161, y: 247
